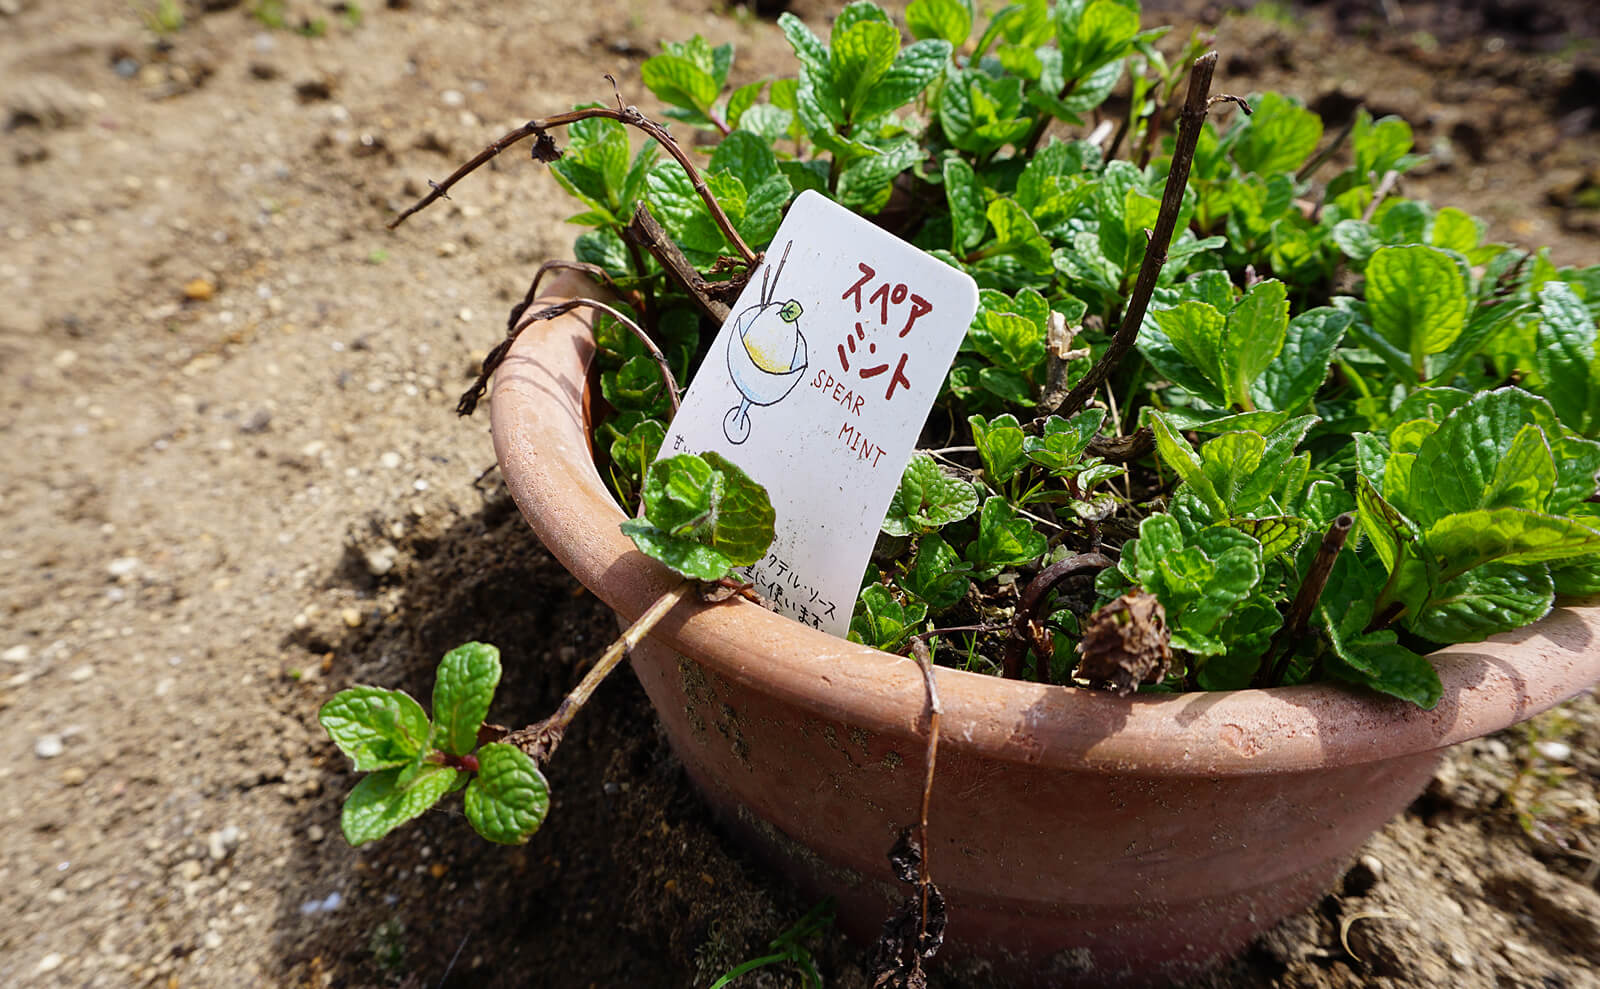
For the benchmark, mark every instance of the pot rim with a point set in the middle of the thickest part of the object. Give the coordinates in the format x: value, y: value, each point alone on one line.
x: 538, y: 420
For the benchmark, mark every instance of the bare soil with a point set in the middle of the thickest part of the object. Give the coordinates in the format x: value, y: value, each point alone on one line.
x: 231, y: 483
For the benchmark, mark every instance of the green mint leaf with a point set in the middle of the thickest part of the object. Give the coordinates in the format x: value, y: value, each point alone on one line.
x: 633, y: 452
x: 1090, y: 36
x: 1566, y: 357
x: 1228, y: 460
x: 1248, y: 630
x: 509, y: 798
x: 376, y: 728
x: 1418, y: 299
x: 1525, y: 476
x: 1252, y: 491
x: 913, y: 69
x: 769, y: 122
x: 1201, y: 584
x: 378, y: 804
x: 1485, y: 322
x: 1061, y: 447
x: 860, y: 55
x: 744, y: 523
x: 1456, y: 230
x: 859, y: 12
x: 636, y: 386
x: 1004, y: 539
x: 594, y: 167
x: 679, y: 82
x: 1009, y: 386
x: 604, y: 249
x: 1184, y: 344
x: 1000, y: 446
x: 1176, y: 453
x: 1256, y: 331
x: 682, y: 555
x: 865, y: 184
x: 979, y: 113
x: 1018, y: 236
x: 811, y: 52
x: 1293, y: 377
x: 1380, y: 147
x: 1278, y: 137
x: 745, y: 156
x: 1121, y: 189
x: 1581, y: 577
x: 881, y: 621
x: 937, y: 576
x: 1357, y: 239
x: 1391, y: 533
x: 1377, y: 661
x: 1160, y: 537
x: 967, y: 220
x: 681, y: 493
x: 682, y: 212
x: 1277, y: 534
x: 1465, y: 540
x: 763, y: 210
x: 1457, y: 462
x: 1402, y: 221
x: 1012, y: 341
x: 1493, y: 598
x: 949, y: 20
x: 741, y: 100
x: 462, y: 690
x: 928, y: 499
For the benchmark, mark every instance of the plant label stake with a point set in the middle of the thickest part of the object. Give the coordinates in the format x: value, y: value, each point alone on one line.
x: 833, y: 357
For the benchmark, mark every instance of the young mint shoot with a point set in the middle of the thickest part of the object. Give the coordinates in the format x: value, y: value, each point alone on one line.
x: 414, y: 761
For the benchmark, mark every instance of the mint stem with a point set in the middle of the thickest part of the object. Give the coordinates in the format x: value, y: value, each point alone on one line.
x: 1190, y: 120
x: 540, y: 740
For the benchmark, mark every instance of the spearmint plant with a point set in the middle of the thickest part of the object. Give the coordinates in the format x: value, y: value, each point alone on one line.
x: 1324, y: 426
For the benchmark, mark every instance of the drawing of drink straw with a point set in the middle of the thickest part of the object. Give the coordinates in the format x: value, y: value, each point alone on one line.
x: 766, y: 353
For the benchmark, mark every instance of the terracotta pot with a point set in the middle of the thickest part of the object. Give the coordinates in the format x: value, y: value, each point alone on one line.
x: 1079, y: 837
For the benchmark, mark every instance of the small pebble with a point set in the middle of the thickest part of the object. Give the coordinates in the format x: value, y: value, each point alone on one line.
x: 465, y: 315
x: 257, y: 422
x: 381, y: 560
x: 221, y: 843
x: 389, y: 460
x: 16, y: 654
x: 351, y: 617
x: 1374, y: 865
x: 199, y: 290
x: 452, y: 97
x: 191, y: 869
x: 1553, y: 750
x: 49, y: 963
x: 81, y: 674
x: 123, y: 566
x: 48, y: 746
x: 74, y: 776
x: 330, y: 903
x: 213, y: 940
x: 314, y: 833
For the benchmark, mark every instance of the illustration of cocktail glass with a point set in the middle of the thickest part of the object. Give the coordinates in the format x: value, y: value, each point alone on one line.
x: 766, y: 355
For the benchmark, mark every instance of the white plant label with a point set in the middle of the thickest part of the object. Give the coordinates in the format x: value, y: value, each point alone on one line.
x: 818, y: 385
